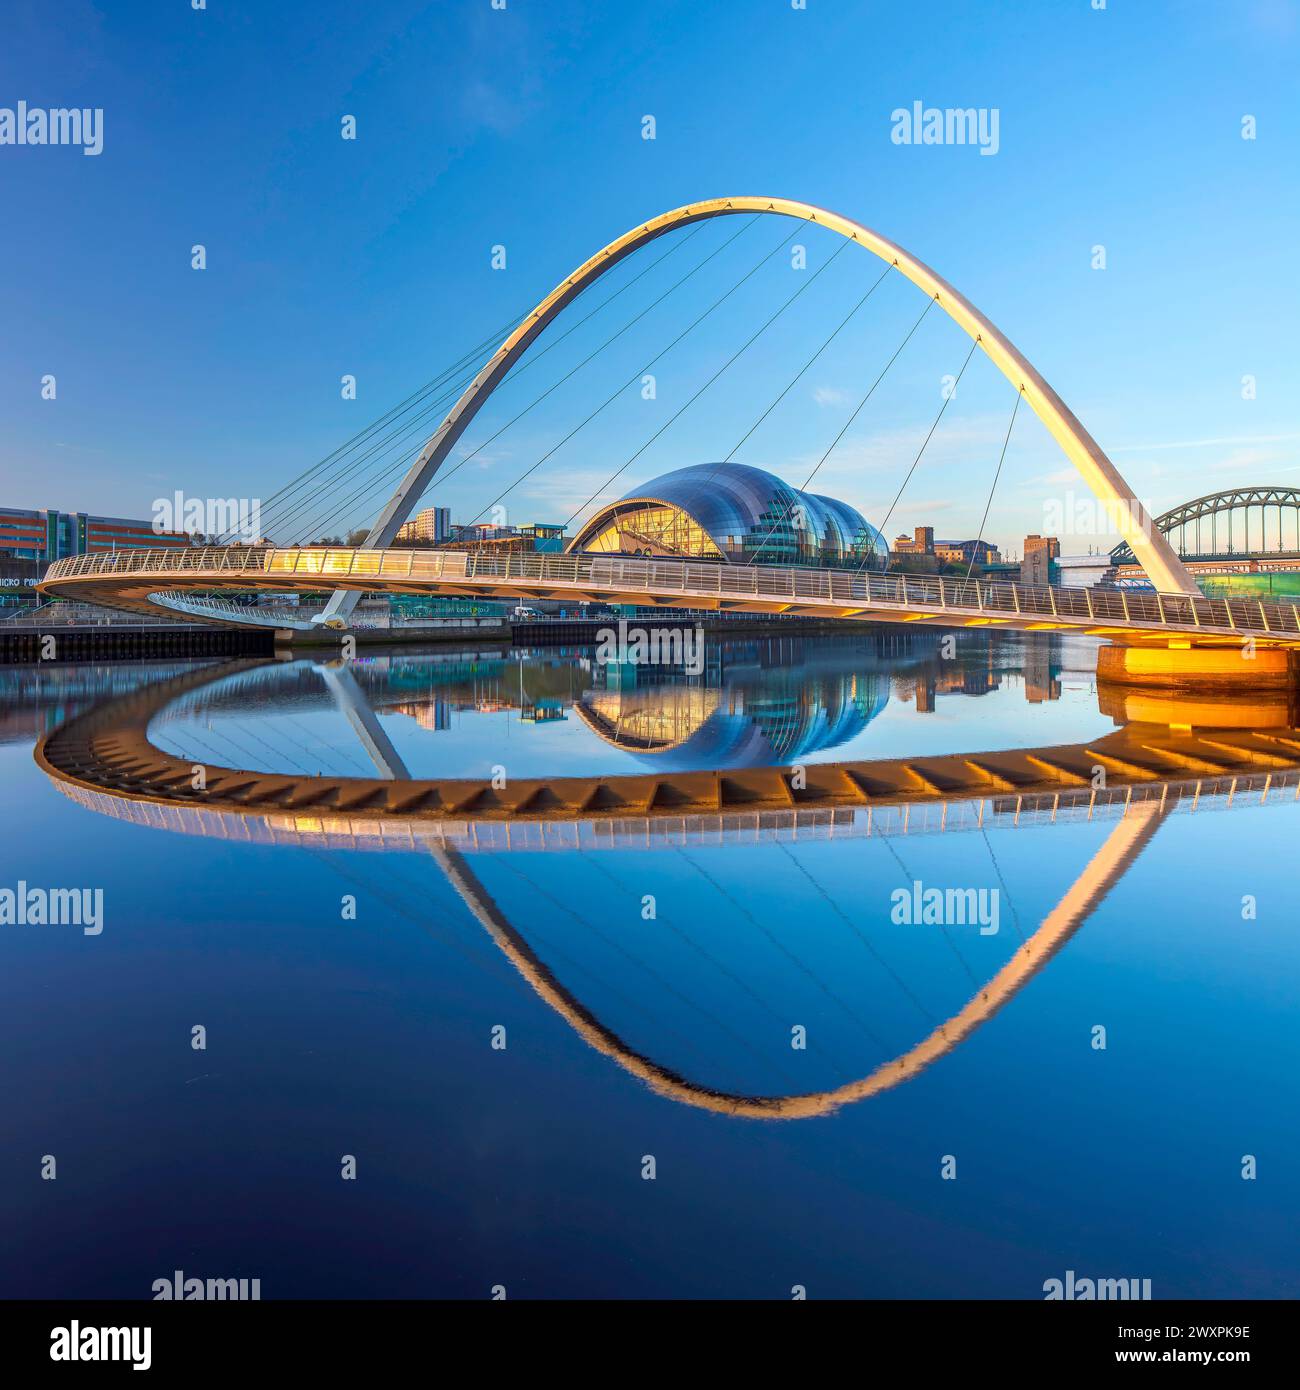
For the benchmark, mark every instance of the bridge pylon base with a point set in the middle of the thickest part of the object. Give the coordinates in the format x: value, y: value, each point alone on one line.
x: 1191, y: 667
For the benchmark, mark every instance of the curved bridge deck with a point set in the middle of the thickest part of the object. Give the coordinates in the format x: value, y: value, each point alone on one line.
x: 127, y: 580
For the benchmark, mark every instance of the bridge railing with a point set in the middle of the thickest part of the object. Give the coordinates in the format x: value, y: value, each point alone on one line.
x: 773, y: 583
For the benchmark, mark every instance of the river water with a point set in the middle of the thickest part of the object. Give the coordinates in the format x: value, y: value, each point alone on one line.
x: 644, y: 1056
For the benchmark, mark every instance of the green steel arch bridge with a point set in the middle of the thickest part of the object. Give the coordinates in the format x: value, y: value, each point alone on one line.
x: 1245, y: 528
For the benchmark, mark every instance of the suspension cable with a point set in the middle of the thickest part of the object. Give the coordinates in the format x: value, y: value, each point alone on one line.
x: 378, y: 448
x: 946, y: 402
x: 641, y: 372
x: 488, y: 344
x: 789, y: 386
x: 477, y: 360
x: 806, y: 285
x: 371, y: 487
x: 283, y: 492
x: 857, y: 410
x: 997, y: 473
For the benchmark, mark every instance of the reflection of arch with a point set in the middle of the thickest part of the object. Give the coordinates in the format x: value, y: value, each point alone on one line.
x: 1163, y: 567
x: 102, y: 760
x: 1111, y: 862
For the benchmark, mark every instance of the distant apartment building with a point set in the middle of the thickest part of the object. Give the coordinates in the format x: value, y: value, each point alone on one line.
x: 1038, y: 566
x: 47, y: 535
x: 433, y: 525
x: 31, y: 540
x: 539, y: 538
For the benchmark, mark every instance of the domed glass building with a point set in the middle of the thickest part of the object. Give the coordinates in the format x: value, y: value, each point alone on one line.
x: 735, y: 514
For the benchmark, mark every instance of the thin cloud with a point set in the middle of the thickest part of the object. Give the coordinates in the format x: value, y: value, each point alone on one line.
x: 1206, y: 443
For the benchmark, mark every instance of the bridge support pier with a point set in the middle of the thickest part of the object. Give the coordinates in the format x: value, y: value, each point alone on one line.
x: 1186, y: 666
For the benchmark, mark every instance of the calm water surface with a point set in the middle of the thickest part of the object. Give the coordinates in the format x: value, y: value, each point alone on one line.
x: 523, y: 1166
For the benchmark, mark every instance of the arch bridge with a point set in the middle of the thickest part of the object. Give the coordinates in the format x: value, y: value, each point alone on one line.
x: 1252, y: 523
x: 125, y: 581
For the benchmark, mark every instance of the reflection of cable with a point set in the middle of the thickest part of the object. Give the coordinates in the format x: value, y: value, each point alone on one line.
x: 1015, y: 916
x: 789, y: 955
x: 276, y: 754
x: 635, y: 960
x: 898, y: 858
x: 495, y: 967
x: 490, y: 962
x: 316, y: 738
x: 912, y: 879
x: 712, y: 960
x: 557, y: 953
x: 191, y: 737
x: 853, y: 927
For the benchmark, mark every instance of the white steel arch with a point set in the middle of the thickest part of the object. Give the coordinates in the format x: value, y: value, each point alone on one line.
x: 1162, y: 565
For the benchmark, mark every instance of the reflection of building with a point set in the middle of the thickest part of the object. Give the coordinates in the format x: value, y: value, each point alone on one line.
x: 1041, y: 681
x: 754, y: 719
x: 735, y: 514
x: 650, y: 719
x: 543, y: 712
x: 978, y: 672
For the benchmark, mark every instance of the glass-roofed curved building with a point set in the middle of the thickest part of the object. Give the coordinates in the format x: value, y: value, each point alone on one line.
x: 736, y: 514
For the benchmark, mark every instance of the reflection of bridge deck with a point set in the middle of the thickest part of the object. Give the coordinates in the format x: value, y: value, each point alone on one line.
x: 128, y: 579
x: 106, y: 755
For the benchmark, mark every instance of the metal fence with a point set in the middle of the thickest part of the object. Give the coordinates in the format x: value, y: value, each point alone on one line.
x: 64, y: 613
x: 813, y: 587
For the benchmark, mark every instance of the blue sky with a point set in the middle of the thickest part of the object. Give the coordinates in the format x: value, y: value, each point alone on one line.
x: 522, y: 127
